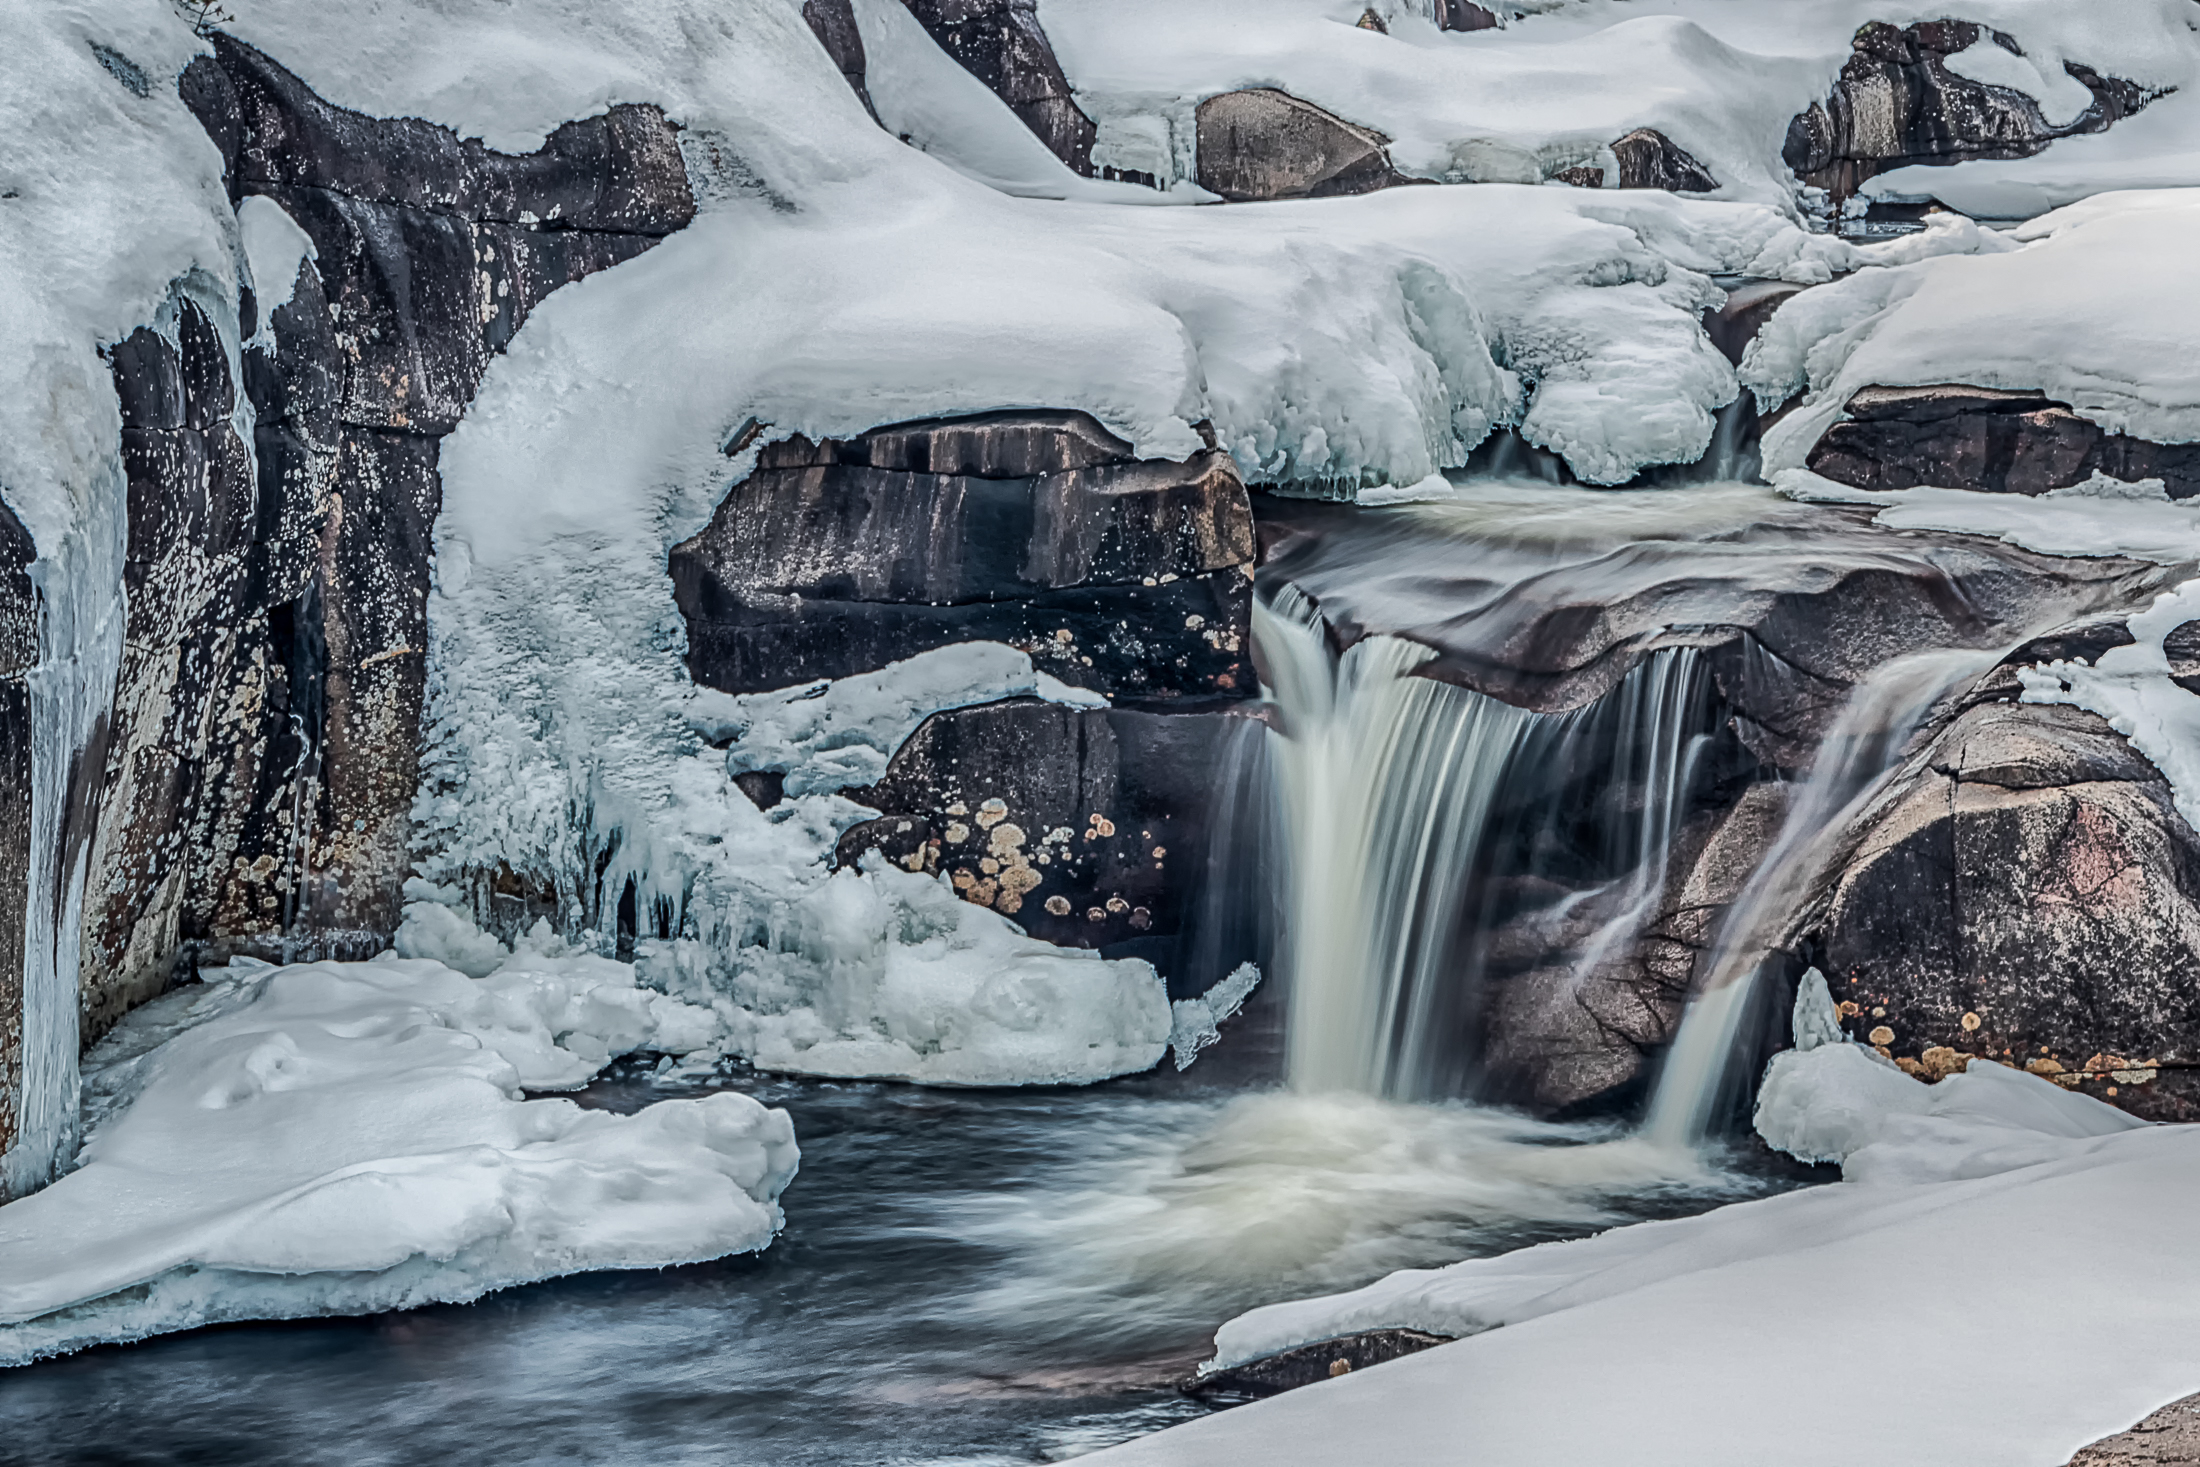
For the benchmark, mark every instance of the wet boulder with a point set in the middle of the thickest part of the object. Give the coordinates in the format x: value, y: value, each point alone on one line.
x: 1038, y: 529
x: 2026, y: 894
x: 1650, y: 159
x: 1272, y: 1375
x: 1897, y: 103
x: 1962, y: 437
x: 1091, y: 827
x: 1001, y: 43
x: 1267, y: 144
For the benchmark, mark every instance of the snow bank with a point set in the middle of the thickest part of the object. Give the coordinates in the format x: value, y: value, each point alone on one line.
x: 2095, y: 306
x: 2130, y: 687
x: 1554, y: 88
x: 1955, y: 1291
x: 350, y: 1137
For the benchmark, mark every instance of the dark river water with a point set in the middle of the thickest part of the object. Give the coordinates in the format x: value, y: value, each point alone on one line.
x: 966, y: 1277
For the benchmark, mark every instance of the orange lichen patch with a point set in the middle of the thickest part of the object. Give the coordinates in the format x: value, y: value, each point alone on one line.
x: 2043, y: 1067
x: 1881, y: 1037
x: 1939, y: 1062
x: 1847, y: 1009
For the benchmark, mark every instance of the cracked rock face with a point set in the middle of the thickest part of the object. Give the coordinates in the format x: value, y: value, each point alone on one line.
x: 1982, y: 438
x: 2027, y: 893
x: 263, y: 749
x: 1041, y: 530
x: 1897, y: 103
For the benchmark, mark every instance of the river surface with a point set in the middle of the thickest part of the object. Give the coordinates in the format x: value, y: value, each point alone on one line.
x: 966, y: 1277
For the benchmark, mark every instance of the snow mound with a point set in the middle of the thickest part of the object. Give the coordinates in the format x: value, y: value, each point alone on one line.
x: 342, y: 1138
x: 887, y: 975
x: 1557, y: 83
x: 2094, y: 305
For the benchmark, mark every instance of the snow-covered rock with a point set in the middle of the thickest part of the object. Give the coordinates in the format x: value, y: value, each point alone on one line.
x: 351, y: 1137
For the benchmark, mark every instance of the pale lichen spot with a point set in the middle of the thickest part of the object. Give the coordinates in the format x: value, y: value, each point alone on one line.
x: 1058, y: 905
x: 1882, y: 1035
x: 992, y: 813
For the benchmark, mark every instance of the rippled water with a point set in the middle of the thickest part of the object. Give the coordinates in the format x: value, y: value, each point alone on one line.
x: 966, y: 1277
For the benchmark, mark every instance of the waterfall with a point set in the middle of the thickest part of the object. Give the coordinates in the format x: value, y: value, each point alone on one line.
x: 1853, y: 764
x: 1407, y: 802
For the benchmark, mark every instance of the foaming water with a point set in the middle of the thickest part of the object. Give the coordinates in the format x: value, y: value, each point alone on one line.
x: 1200, y: 1211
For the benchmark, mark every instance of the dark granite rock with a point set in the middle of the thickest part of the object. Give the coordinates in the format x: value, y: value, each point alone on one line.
x: 1650, y: 159
x: 1982, y: 438
x: 259, y: 767
x: 833, y: 22
x: 1089, y: 826
x: 1001, y: 43
x: 1463, y: 15
x: 1268, y: 144
x: 18, y: 654
x: 1734, y: 324
x: 1896, y: 104
x: 2027, y: 893
x: 1274, y: 1374
x: 1036, y: 529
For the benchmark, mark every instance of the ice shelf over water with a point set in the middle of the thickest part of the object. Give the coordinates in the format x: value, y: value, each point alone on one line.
x: 341, y: 1138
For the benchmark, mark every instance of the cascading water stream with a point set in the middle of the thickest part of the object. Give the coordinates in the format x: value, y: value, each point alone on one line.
x: 1386, y: 780
x: 1406, y: 801
x: 1852, y: 765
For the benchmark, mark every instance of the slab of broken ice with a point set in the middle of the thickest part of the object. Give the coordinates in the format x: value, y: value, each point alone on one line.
x: 337, y: 1138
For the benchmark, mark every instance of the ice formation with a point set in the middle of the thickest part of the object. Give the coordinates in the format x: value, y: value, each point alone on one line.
x: 352, y: 1137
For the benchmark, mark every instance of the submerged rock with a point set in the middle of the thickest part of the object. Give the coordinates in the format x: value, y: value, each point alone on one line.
x: 1896, y: 103
x: 1267, y: 144
x: 1983, y: 438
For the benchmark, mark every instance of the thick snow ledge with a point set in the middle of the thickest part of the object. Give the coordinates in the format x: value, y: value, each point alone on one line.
x: 342, y: 1138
